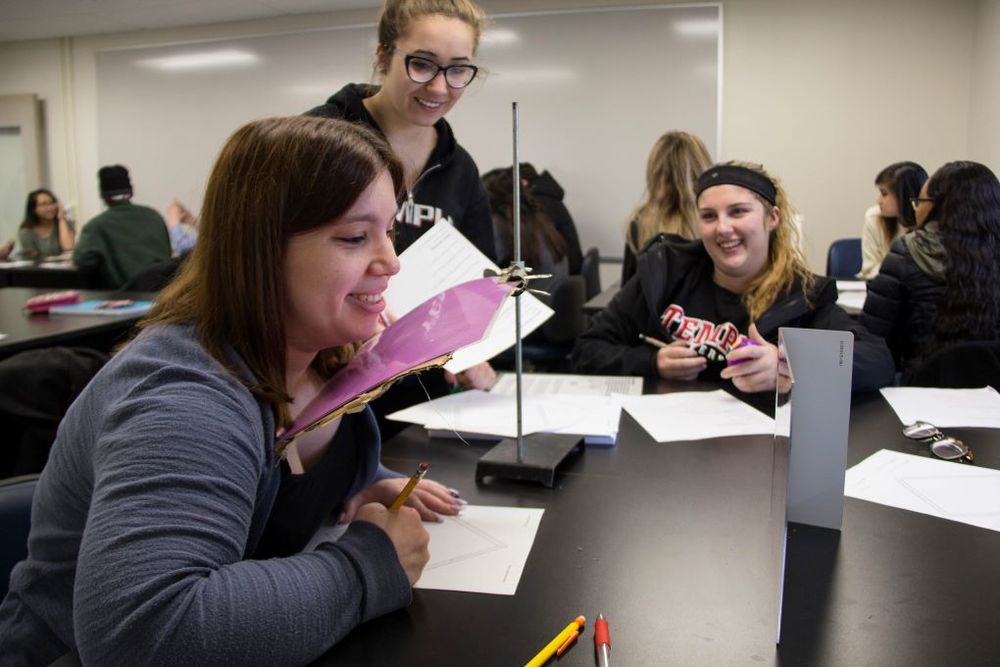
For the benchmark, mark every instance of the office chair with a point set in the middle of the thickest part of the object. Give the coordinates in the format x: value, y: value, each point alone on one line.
x: 547, y: 348
x: 590, y: 269
x: 843, y: 260
x: 15, y: 522
x: 961, y: 365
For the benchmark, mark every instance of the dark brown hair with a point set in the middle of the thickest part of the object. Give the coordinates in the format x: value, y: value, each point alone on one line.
x: 274, y: 178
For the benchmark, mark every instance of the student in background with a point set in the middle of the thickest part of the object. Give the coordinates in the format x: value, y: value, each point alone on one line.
x: 543, y: 249
x: 182, y: 226
x: 125, y: 239
x: 166, y: 468
x: 940, y: 283
x: 45, y: 231
x: 674, y: 164
x: 425, y: 58
x: 740, y: 281
x: 549, y: 195
x: 892, y: 215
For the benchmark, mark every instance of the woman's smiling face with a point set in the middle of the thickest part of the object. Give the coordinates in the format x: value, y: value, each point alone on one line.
x: 736, y: 229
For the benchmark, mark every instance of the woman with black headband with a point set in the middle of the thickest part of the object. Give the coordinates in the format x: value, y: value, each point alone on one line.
x: 711, y: 308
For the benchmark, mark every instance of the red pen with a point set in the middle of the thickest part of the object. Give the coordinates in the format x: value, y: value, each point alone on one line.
x: 602, y: 641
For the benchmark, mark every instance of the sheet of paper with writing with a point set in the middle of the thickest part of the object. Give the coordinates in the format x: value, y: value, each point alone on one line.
x: 442, y: 257
x: 423, y: 338
x: 483, y: 550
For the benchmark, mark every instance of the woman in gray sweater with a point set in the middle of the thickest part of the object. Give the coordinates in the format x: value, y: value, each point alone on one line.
x: 163, y: 478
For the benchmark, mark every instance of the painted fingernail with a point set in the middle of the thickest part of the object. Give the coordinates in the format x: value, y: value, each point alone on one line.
x: 454, y: 492
x: 438, y: 518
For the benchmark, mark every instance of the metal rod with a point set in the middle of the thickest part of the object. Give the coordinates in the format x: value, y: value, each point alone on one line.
x: 520, y: 264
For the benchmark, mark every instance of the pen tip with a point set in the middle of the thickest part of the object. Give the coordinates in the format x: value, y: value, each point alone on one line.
x: 600, y: 617
x: 424, y: 466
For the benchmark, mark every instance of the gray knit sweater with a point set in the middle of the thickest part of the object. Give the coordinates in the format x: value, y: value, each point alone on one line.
x: 157, y: 488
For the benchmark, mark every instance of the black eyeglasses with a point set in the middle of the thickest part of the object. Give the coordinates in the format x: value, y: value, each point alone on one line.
x: 915, y: 201
x: 942, y: 446
x: 423, y: 70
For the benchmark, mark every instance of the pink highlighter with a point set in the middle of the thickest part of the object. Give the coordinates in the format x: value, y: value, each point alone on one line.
x: 733, y: 362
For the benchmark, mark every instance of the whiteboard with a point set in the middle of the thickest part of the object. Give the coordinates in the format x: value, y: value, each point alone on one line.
x: 595, y: 89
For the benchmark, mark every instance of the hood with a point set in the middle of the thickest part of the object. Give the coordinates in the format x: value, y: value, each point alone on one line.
x: 924, y: 244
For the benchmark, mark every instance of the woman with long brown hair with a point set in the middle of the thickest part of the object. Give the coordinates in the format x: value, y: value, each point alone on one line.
x: 162, y: 484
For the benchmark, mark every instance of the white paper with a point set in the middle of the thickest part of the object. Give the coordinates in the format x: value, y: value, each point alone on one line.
x: 479, y: 412
x: 540, y: 384
x: 854, y: 300
x: 944, y: 489
x: 696, y: 415
x: 441, y: 258
x: 852, y: 286
x: 944, y: 408
x: 483, y: 550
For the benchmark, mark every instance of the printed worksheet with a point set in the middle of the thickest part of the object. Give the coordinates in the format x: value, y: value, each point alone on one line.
x: 483, y: 550
x: 441, y: 258
x: 696, y: 415
x: 563, y: 384
x: 944, y: 489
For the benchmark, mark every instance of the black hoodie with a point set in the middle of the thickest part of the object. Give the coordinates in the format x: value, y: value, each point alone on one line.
x: 672, y: 294
x: 448, y: 188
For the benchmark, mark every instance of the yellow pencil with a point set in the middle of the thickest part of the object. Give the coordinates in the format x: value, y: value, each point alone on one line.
x: 564, y: 638
x: 405, y: 493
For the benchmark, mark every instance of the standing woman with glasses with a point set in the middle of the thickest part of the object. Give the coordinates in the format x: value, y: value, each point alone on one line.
x: 46, y: 231
x: 425, y: 60
x: 940, y: 283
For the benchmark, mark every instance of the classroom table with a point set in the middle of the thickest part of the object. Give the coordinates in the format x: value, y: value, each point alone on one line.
x: 24, y: 331
x: 676, y: 543
x: 51, y: 274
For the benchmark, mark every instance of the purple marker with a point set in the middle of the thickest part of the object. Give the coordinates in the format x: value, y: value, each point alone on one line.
x: 733, y: 362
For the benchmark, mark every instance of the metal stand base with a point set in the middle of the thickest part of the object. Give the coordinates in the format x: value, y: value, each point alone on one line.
x: 541, y: 454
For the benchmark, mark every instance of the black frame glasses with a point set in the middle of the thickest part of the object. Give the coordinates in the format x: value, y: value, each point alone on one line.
x: 424, y: 70
x: 915, y: 201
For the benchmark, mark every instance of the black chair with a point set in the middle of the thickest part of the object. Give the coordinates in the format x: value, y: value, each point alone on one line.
x: 961, y: 365
x: 547, y: 348
x: 15, y: 523
x: 843, y: 260
x: 590, y: 269
x: 154, y: 278
x: 36, y: 389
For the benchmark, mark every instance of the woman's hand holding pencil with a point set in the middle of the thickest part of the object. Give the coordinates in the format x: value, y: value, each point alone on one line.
x: 676, y: 360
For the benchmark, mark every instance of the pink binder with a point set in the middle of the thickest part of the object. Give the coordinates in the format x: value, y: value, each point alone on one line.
x: 423, y: 338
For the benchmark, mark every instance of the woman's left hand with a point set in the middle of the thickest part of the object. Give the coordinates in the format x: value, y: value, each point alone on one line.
x: 429, y: 498
x: 758, y: 367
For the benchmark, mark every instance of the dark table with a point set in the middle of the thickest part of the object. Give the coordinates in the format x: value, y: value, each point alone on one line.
x: 676, y: 545
x: 25, y: 332
x: 48, y: 274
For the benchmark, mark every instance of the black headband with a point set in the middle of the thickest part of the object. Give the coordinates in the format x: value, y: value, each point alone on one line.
x: 731, y: 174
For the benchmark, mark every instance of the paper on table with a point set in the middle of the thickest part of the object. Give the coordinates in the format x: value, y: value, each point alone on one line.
x: 471, y: 413
x: 696, y: 415
x: 944, y: 489
x: 442, y: 257
x: 955, y: 408
x: 483, y: 550
x: 538, y: 384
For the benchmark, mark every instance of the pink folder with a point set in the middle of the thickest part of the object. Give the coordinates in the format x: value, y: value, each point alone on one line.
x: 423, y: 338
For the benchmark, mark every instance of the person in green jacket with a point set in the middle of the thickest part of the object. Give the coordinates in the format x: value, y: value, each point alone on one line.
x: 125, y: 239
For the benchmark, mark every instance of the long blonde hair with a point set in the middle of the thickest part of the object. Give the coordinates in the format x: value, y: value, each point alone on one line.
x: 785, y: 261
x: 674, y: 164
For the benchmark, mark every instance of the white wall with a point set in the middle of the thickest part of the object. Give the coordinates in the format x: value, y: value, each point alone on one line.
x: 984, y: 133
x: 823, y: 93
